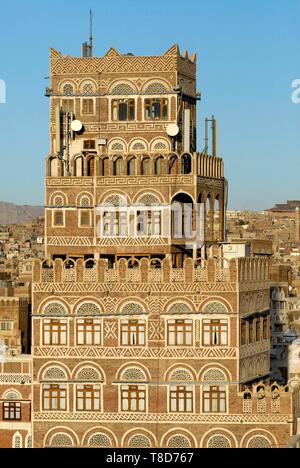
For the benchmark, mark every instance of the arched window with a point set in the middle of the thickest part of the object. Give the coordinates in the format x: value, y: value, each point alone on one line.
x: 133, y: 392
x: 217, y: 220
x: 79, y: 172
x: 146, y: 166
x: 88, y: 88
x: 214, y: 393
x: 159, y: 166
x: 28, y: 442
x: 53, y: 167
x: 182, y: 217
x: 104, y: 167
x: 55, y: 309
x: 17, y: 441
x: 186, y: 161
x: 100, y: 440
x: 174, y: 166
x: 259, y: 442
x: 181, y: 397
x: 68, y: 89
x: 119, y: 165
x: 219, y: 442
x: 61, y: 440
x: 131, y: 167
x: 59, y: 201
x: 91, y: 167
x: 208, y: 221
x: 178, y: 442
x: 139, y: 441
x: 123, y: 89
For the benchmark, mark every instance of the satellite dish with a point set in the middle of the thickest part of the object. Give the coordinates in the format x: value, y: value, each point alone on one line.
x: 76, y: 126
x: 172, y: 130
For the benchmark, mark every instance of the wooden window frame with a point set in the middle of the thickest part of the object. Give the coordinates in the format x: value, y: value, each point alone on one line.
x: 88, y: 106
x: 12, y: 411
x: 62, y: 328
x: 130, y: 109
x: 208, y: 328
x: 130, y: 390
x: 214, y: 394
x: 68, y: 105
x: 180, y: 326
x: 61, y: 393
x: 81, y: 394
x: 85, y: 212
x: 136, y: 328
x: 96, y: 329
x: 179, y: 394
x: 151, y: 114
x: 55, y: 214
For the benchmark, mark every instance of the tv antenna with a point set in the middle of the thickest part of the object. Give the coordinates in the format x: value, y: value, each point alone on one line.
x: 87, y: 48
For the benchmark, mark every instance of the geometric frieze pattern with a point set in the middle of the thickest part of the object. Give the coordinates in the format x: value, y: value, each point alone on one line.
x: 215, y: 308
x: 122, y: 181
x: 254, y: 349
x: 173, y: 418
x: 21, y: 379
x: 110, y: 64
x: 134, y: 288
x: 138, y: 353
x: 111, y: 331
x: 156, y: 331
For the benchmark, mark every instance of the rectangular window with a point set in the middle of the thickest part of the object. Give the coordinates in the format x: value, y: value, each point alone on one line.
x: 156, y: 109
x: 88, y: 397
x: 12, y: 411
x: 215, y: 333
x: 244, y: 340
x: 54, y: 398
x: 85, y: 218
x: 6, y: 326
x: 68, y: 105
x: 258, y: 330
x: 181, y: 400
x: 58, y: 219
x: 55, y: 332
x: 251, y: 332
x: 88, y: 332
x: 214, y: 400
x: 266, y: 329
x: 87, y: 106
x: 123, y: 110
x: 180, y: 333
x: 89, y: 145
x: 133, y: 399
x: 133, y: 333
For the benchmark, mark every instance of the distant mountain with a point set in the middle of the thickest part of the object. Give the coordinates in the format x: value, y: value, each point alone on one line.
x: 15, y: 214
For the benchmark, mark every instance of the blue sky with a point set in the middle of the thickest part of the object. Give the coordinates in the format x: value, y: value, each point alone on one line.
x: 248, y: 56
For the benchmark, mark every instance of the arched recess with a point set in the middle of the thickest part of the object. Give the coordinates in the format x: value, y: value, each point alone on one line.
x: 146, y: 166
x: 174, y: 165
x: 78, y: 166
x: 104, y: 166
x: 118, y: 166
x: 91, y: 166
x: 182, y: 216
x: 159, y: 165
x: 217, y: 219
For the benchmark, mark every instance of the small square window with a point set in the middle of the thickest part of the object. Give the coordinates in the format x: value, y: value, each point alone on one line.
x: 59, y: 218
x: 85, y: 218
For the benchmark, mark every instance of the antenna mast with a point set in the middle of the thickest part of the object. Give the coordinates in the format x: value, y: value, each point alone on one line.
x: 91, y: 33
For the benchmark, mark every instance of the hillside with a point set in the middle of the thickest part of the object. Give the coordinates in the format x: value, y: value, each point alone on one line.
x: 15, y: 214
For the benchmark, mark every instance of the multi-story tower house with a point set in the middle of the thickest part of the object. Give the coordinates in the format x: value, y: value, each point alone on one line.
x: 141, y: 337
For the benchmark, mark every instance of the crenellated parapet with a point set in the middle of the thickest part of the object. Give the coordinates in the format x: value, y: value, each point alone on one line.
x: 269, y: 399
x: 154, y: 271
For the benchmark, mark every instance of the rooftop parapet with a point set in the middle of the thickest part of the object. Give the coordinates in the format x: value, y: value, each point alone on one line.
x: 238, y: 271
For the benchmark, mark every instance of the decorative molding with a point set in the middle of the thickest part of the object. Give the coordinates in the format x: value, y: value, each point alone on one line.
x: 137, y: 353
x: 264, y: 419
